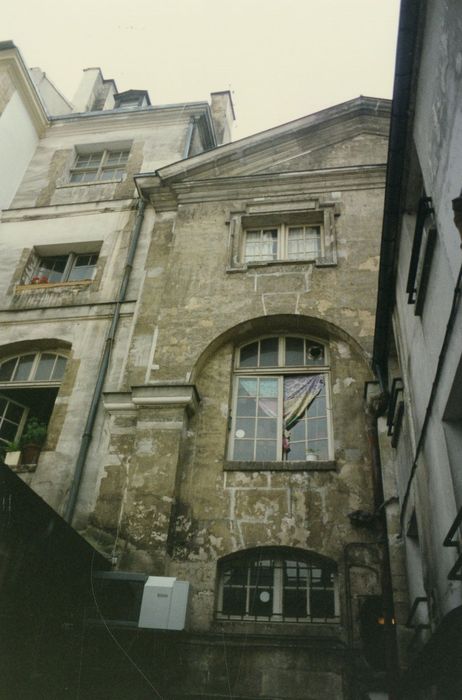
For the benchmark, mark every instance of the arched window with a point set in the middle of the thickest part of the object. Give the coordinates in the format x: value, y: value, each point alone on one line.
x: 277, y: 584
x: 29, y: 384
x: 281, y: 401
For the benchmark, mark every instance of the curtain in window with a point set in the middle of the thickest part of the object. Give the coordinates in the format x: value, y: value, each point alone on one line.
x: 299, y: 394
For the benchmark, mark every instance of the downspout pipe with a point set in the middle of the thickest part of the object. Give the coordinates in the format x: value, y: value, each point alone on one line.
x: 374, y: 408
x: 103, y: 367
x: 189, y: 135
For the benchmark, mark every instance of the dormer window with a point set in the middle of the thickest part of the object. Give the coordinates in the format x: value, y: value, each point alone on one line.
x: 132, y: 99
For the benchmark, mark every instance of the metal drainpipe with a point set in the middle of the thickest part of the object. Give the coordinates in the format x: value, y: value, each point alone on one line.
x: 374, y: 408
x: 189, y: 136
x: 103, y: 367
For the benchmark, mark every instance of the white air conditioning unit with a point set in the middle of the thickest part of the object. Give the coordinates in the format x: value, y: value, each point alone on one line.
x: 164, y: 604
x: 136, y: 600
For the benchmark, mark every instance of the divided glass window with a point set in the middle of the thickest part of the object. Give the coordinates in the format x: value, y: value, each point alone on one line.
x: 282, y: 243
x: 99, y: 166
x: 268, y: 585
x: 280, y: 408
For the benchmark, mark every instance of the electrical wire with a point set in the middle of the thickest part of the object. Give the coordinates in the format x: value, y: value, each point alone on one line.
x: 114, y: 638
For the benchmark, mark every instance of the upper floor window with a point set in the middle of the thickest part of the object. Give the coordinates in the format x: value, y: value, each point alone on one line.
x: 282, y: 243
x: 73, y: 267
x: 280, y: 403
x: 277, y: 585
x: 99, y: 166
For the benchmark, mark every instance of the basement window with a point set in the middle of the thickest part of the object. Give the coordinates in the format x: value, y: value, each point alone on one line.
x: 99, y: 166
x: 277, y: 585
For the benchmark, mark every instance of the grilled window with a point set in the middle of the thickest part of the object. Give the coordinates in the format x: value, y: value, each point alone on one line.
x: 278, y: 586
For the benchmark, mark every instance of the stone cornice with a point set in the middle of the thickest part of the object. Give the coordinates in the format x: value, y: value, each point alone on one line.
x: 56, y: 211
x: 262, y: 185
x: 359, y: 107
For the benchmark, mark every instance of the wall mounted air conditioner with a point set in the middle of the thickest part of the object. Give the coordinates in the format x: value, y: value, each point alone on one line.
x: 136, y: 600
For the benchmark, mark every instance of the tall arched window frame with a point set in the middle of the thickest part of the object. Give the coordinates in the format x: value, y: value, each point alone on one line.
x: 29, y: 384
x: 281, y: 402
x: 277, y: 584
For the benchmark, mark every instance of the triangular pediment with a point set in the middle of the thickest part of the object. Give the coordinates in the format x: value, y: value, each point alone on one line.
x: 353, y: 133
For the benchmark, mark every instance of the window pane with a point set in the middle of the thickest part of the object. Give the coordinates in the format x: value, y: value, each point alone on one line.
x: 14, y: 412
x: 245, y: 428
x: 303, y: 242
x: 267, y: 428
x: 83, y: 267
x: 24, y: 368
x: 85, y: 160
x: 45, y: 367
x: 266, y: 451
x: 261, y: 245
x: 236, y: 573
x: 268, y: 388
x: 269, y: 352
x: 60, y: 366
x: 8, y: 430
x: 246, y: 407
x: 3, y: 405
x: 234, y: 600
x: 247, y: 387
x: 53, y: 267
x: 267, y: 407
x: 243, y: 450
x: 117, y: 157
x: 6, y: 370
x: 314, y: 354
x: 295, y: 352
x: 248, y: 356
x: 111, y: 174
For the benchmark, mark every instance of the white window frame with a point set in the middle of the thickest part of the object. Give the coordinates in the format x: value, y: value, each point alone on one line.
x: 100, y: 167
x: 31, y: 381
x: 20, y: 425
x: 281, y: 252
x: 277, y: 587
x: 71, y: 264
x: 279, y: 372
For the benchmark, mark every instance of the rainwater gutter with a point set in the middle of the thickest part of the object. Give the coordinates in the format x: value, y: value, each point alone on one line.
x: 103, y: 368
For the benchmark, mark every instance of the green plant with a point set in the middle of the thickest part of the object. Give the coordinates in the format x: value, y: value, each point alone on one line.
x: 35, y: 432
x: 12, y: 446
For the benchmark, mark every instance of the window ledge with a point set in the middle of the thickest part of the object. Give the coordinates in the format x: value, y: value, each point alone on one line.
x: 51, y: 285
x: 319, y: 262
x: 309, y: 466
x: 66, y: 185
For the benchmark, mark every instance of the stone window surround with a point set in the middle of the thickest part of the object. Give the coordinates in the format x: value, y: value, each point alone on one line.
x: 318, y: 212
x: 88, y: 148
x: 27, y: 271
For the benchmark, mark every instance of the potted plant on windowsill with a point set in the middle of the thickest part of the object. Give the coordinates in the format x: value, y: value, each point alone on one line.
x: 32, y: 441
x: 12, y: 454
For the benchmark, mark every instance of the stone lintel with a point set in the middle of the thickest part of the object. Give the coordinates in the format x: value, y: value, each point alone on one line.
x: 154, y: 395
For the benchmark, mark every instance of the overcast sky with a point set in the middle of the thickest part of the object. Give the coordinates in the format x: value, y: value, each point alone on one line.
x: 281, y: 59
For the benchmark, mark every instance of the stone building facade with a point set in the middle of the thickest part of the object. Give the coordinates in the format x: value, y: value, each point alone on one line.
x: 418, y: 337
x: 193, y: 320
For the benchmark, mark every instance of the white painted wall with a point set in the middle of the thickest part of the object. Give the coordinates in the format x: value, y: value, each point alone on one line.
x: 18, y: 141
